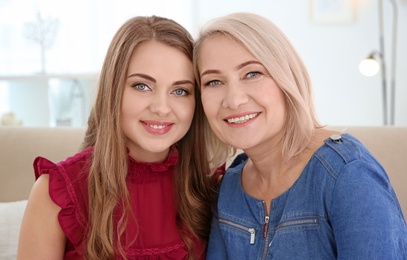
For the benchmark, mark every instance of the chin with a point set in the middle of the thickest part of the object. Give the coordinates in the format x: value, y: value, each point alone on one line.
x: 159, y: 149
x: 242, y: 146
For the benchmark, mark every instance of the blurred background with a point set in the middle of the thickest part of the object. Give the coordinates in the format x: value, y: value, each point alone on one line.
x: 51, y: 53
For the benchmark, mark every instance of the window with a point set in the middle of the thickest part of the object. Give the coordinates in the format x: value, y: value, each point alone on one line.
x: 78, y: 35
x: 84, y: 29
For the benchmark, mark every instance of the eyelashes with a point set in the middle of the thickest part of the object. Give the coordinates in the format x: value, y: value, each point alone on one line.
x: 181, y: 92
x: 247, y: 76
x: 142, y: 87
x: 253, y: 74
x: 212, y: 83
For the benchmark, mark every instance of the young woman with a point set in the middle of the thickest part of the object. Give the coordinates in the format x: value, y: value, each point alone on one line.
x: 299, y: 190
x: 141, y: 187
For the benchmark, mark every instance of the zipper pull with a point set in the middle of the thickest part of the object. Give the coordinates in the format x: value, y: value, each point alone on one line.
x: 252, y: 235
x: 265, y: 226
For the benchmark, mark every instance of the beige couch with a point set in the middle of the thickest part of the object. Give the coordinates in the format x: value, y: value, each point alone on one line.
x: 20, y: 145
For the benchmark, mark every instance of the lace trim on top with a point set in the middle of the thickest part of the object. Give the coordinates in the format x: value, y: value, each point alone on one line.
x: 137, y: 168
x: 157, y: 251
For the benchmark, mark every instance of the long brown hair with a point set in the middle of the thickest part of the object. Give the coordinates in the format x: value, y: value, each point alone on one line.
x: 107, y: 189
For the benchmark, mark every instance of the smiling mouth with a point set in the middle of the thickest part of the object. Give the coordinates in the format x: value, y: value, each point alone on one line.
x: 157, y: 126
x: 242, y: 119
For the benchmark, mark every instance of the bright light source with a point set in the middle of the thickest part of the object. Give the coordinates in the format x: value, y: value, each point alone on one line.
x: 369, y: 67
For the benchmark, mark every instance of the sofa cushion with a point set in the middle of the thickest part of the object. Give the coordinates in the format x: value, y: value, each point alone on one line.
x: 11, y: 214
x: 21, y: 145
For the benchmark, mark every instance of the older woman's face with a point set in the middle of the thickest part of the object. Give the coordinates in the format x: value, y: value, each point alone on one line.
x: 243, y: 104
x: 158, y: 100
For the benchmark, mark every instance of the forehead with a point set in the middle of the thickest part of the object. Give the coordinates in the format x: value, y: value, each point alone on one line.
x: 222, y: 50
x: 154, y: 57
x: 152, y: 49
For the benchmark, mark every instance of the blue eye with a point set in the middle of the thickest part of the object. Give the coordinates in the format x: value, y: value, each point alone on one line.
x: 181, y: 92
x: 212, y: 83
x: 141, y: 87
x: 252, y: 74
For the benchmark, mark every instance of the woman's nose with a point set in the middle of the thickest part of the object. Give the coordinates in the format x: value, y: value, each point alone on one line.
x: 160, y: 104
x: 234, y: 96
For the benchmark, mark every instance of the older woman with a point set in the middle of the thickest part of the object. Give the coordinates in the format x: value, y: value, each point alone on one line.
x: 299, y: 191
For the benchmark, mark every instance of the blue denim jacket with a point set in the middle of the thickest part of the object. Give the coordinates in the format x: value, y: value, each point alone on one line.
x: 341, y: 207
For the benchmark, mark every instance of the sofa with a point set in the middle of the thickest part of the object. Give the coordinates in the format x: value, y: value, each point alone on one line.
x: 20, y: 145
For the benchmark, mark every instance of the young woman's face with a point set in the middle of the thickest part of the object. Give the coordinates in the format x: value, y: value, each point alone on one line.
x: 158, y: 100
x: 243, y: 104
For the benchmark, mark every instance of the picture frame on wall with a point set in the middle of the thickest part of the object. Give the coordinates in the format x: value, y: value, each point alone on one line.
x: 331, y: 11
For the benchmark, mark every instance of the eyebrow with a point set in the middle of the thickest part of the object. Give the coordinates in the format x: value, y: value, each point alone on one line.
x: 147, y: 77
x: 183, y: 82
x: 142, y: 76
x: 238, y: 67
x: 244, y: 64
x: 210, y: 72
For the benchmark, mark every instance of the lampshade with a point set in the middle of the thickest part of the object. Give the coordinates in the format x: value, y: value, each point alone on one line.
x: 369, y: 67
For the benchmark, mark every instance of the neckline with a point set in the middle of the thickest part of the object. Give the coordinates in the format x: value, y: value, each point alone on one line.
x: 301, y: 176
x: 140, y: 167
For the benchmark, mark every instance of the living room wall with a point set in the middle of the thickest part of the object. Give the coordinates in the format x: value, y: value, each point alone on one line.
x: 331, y: 51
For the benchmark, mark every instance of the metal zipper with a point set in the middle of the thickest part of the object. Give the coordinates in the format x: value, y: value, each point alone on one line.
x: 265, y: 226
x: 294, y: 222
x: 298, y: 222
x: 252, y: 231
x: 265, y: 230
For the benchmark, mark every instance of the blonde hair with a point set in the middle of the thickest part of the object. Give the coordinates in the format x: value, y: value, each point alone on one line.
x: 268, y: 44
x: 108, y: 170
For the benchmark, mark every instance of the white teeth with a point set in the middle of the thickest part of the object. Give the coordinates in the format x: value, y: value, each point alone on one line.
x: 157, y: 126
x: 242, y: 119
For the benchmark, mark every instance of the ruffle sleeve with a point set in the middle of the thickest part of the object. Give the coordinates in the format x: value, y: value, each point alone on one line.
x: 177, y: 251
x: 62, y: 192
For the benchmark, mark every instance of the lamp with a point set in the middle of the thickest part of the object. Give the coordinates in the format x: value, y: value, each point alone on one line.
x: 376, y: 61
x: 369, y: 67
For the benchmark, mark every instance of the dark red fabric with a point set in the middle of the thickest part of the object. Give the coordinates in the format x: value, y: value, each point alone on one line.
x: 220, y: 171
x: 153, y: 202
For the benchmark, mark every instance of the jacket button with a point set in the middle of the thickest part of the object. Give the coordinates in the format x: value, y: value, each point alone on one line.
x: 336, y: 138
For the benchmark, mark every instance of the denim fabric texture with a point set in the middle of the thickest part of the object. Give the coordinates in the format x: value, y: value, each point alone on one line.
x: 341, y: 207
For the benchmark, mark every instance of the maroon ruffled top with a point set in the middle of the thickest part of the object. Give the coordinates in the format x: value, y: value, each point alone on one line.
x: 151, y: 189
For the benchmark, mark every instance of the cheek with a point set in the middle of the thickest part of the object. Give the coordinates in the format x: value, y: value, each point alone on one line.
x: 126, y: 103
x: 128, y: 100
x: 209, y: 103
x: 132, y: 106
x: 186, y: 111
x: 126, y: 107
x: 274, y: 100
